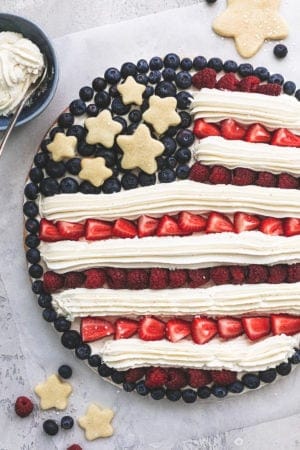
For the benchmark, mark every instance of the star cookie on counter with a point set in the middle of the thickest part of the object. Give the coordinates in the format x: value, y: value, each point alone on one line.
x: 131, y: 91
x: 62, y: 147
x: 94, y: 170
x: 250, y: 22
x: 102, y: 129
x: 162, y: 113
x: 53, y: 393
x: 96, y: 422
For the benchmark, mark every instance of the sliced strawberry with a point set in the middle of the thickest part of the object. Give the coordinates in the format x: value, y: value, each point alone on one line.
x: 272, y: 226
x: 285, y: 324
x: 71, y: 231
x: 291, y: 226
x: 203, y: 329
x: 191, y: 222
x: 285, y: 138
x: 124, y: 228
x: 256, y: 327
x: 177, y: 329
x: 125, y: 328
x: 168, y: 227
x: 147, y: 226
x: 218, y: 223
x: 257, y: 133
x: 230, y: 129
x: 203, y: 129
x: 96, y: 230
x: 229, y: 328
x: 93, y: 328
x: 245, y: 222
x: 49, y: 232
x: 151, y: 329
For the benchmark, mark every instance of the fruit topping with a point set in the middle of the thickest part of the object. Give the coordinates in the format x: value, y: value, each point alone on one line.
x: 177, y: 329
x: 147, y: 226
x: 70, y: 231
x: 93, y: 328
x: 291, y: 226
x: 257, y: 133
x: 48, y: 231
x: 124, y: 228
x: 151, y: 329
x: 256, y: 327
x: 220, y: 175
x: 272, y: 226
x: 133, y: 375
x: 230, y: 129
x: 53, y: 282
x: 177, y: 278
x: 229, y: 328
x: 220, y: 275
x: 168, y: 227
x: 268, y: 89
x: 285, y: 138
x: 94, y: 278
x: 176, y: 379
x: 198, y: 378
x: 205, y: 78
x: 203, y: 329
x: 285, y: 324
x: 125, y: 328
x: 137, y: 279
x: 158, y: 278
x: 223, y: 377
x: 191, y: 223
x: 73, y: 280
x: 245, y: 222
x: 204, y: 129
x: 198, y: 277
x: 155, y: 377
x: 228, y: 82
x: 248, y: 83
x: 199, y: 172
x: 218, y: 223
x: 97, y: 229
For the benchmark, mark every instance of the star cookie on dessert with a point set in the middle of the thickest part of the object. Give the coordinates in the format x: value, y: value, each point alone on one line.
x: 94, y: 170
x: 62, y: 147
x: 140, y: 150
x: 53, y: 393
x: 102, y: 129
x: 96, y: 422
x: 250, y: 22
x: 131, y: 91
x: 161, y: 113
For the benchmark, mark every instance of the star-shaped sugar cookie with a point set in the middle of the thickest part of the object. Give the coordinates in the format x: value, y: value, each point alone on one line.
x: 62, y: 147
x: 94, y: 170
x: 96, y: 422
x: 53, y: 393
x: 250, y: 22
x: 131, y: 91
x: 161, y: 113
x: 102, y: 129
x: 140, y: 150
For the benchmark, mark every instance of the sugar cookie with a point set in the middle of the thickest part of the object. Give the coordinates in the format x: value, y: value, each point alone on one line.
x: 62, y: 147
x: 131, y: 91
x: 94, y: 170
x: 162, y: 113
x: 102, y: 129
x: 96, y: 422
x: 53, y: 393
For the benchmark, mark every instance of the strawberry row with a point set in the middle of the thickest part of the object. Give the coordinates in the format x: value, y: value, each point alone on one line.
x: 201, y: 329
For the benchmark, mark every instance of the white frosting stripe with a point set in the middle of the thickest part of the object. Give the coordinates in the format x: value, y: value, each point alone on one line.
x: 238, y: 354
x: 231, y: 154
x: 190, y: 252
x: 171, y: 198
x: 273, y: 112
x: 217, y: 300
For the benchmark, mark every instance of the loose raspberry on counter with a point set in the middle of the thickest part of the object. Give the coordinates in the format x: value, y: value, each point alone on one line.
x: 23, y: 406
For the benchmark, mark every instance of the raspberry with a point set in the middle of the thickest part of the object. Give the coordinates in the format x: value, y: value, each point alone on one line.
x: 137, y: 279
x: 205, y: 78
x: 248, y: 84
x: 74, y: 447
x: 177, y: 278
x: 269, y: 89
x: 198, y: 277
x: 277, y: 274
x: 220, y: 175
x: 223, y: 377
x: 243, y: 177
x: 53, y: 282
x: 176, y: 379
x: 23, y: 406
x: 155, y: 377
x: 220, y: 275
x: 133, y: 375
x: 293, y: 273
x: 95, y: 278
x: 74, y: 280
x: 198, y: 378
x: 228, y: 82
x: 257, y: 274
x: 158, y: 278
x: 199, y: 173
x: 116, y: 278
x: 287, y: 181
x: 266, y: 179
x: 237, y: 274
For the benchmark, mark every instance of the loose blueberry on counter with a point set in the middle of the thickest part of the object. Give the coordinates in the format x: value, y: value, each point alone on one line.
x: 41, y: 159
x: 146, y: 180
x: 276, y: 78
x: 45, y: 300
x: 86, y: 93
x: 31, y: 191
x: 32, y: 225
x: 169, y: 74
x: 141, y: 389
x: 186, y: 119
x: 73, y: 166
x: 50, y: 427
x: 99, y: 84
x: 236, y: 387
x: 171, y: 60
x: 183, y: 155
x: 66, y: 422
x: 170, y: 145
x: 189, y: 395
x: 111, y: 185
x: 118, y: 377
x: 92, y: 110
x: 38, y: 287
x: 94, y: 360
x: 156, y: 63
x: 199, y: 62
x: 69, y: 185
x: 70, y: 339
x: 250, y: 380
x: 219, y: 391
x: 280, y: 51
x: 289, y: 87
x: 284, y: 368
x: 65, y: 120
x: 245, y: 69
x: 112, y: 75
x: 141, y: 78
x: 185, y: 138
x: 128, y: 387
x: 55, y: 169
x: 204, y: 392
x: 62, y: 324
x: 127, y: 69
x: 83, y: 351
x: 102, y: 99
x: 135, y: 115
x: 30, y: 209
x: 182, y: 171
x: 216, y: 64
x: 32, y: 241
x: 148, y: 92
x: 186, y: 64
x: 113, y: 91
x: 183, y: 80
x: 230, y: 66
x: 295, y: 359
x: 211, y: 1
x: 183, y: 99
x: 166, y: 175
x: 154, y: 76
x: 33, y: 256
x: 87, y: 188
x: 105, y: 371
x: 118, y: 107
x: 268, y: 376
x: 142, y: 66
x: 55, y: 130
x: 129, y: 181
x: 173, y: 394
x: 78, y: 131
x: 297, y: 94
x: 158, y: 393
x: 65, y: 371
x: 85, y: 149
x: 36, y: 175
x: 165, y: 89
x: 49, y: 315
x: 44, y: 144
x: 77, y: 107
x: 262, y: 73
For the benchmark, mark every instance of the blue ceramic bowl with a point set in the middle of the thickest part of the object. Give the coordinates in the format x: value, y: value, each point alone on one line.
x: 44, y: 95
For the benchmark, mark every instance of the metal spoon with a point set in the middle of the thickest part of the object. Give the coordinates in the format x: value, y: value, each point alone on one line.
x: 30, y: 91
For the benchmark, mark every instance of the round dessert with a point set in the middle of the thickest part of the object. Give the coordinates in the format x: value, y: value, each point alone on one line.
x: 163, y: 227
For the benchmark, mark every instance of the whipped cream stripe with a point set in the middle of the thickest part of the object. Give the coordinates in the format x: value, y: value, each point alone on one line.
x: 234, y: 300
x: 274, y: 112
x: 172, y: 198
x: 234, y: 153
x: 239, y: 354
x: 189, y: 252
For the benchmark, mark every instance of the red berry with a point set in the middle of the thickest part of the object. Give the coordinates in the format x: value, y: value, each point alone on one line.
x: 277, y: 274
x: 218, y: 223
x: 151, y: 329
x: 124, y: 228
x: 155, y: 377
x: 220, y: 274
x: 272, y: 226
x: 198, y: 378
x: 125, y: 328
x: 248, y: 84
x: 95, y: 278
x: 220, y: 175
x: 293, y: 273
x: 243, y: 177
x: 48, y: 231
x: 205, y: 78
x: 256, y: 327
x: 94, y: 328
x: 237, y: 274
x: 159, y: 278
x: 74, y: 280
x: 133, y: 375
x: 223, y: 377
x: 291, y: 226
x: 71, y: 231
x: 23, y: 406
x: 257, y: 133
x: 269, y: 89
x: 230, y: 129
x: 177, y: 278
x: 198, y: 277
x: 97, y: 229
x: 245, y: 222
x: 116, y: 278
x: 147, y: 226
x: 176, y: 379
x: 204, y: 129
x: 177, y: 329
x: 228, y: 82
x: 257, y: 274
x: 285, y: 138
x: 229, y: 327
x: 53, y: 281
x: 75, y: 447
x: 203, y: 329
x: 199, y: 172
x: 168, y: 227
x: 191, y: 223
x: 266, y: 179
x: 285, y: 324
x: 287, y: 181
x: 137, y: 279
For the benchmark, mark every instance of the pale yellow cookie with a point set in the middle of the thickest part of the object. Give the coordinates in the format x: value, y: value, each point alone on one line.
x: 53, y: 393
x: 161, y: 113
x: 250, y: 22
x: 62, y: 147
x: 94, y: 170
x: 140, y: 150
x: 96, y: 422
x: 102, y: 129
x: 131, y: 91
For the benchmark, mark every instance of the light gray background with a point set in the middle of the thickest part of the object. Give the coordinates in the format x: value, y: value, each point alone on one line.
x: 29, y: 349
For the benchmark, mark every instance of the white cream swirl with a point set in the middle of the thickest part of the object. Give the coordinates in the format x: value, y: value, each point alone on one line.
x: 21, y: 62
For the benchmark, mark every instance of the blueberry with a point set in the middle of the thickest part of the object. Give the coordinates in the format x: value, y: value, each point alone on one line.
x: 38, y: 287
x: 108, y: 154
x: 35, y: 271
x: 55, y: 169
x: 105, y: 371
x: 92, y: 110
x: 186, y: 119
x: 186, y: 64
x: 245, y: 69
x: 113, y: 91
x: 78, y: 131
x: 45, y: 300
x: 118, y: 107
x: 86, y: 93
x: 185, y: 138
x: 131, y: 128
x: 183, y: 99
x: 210, y: 2
x: 32, y: 241
x: 36, y: 175
x: 146, y: 180
x: 135, y: 115
x: 32, y: 225
x: 171, y: 162
x: 142, y: 66
x: 31, y: 191
x: 129, y: 181
x: 122, y: 121
x: 94, y: 360
x: 262, y: 73
x: 289, y: 87
x: 77, y: 107
x: 127, y: 69
x: 154, y: 76
x: 172, y: 60
x: 161, y: 162
x: 284, y: 368
x: 41, y: 159
x: 158, y: 393
x: 236, y: 387
x: 30, y: 209
x: 267, y: 376
x: 199, y: 62
x: 50, y: 427
x: 169, y: 144
x: 297, y: 94
x: 189, y: 395
x: 49, y: 315
x: 165, y: 89
x: 128, y: 387
x: 230, y: 66
x: 216, y: 64
x: 83, y: 351
x: 219, y: 391
x: 102, y: 99
x: 204, y: 392
x: 54, y: 131
x: 66, y: 422
x: 73, y: 166
x: 250, y: 380
x: 183, y: 155
x: 62, y: 324
x: 33, y: 256
x: 141, y: 78
x: 65, y: 120
x: 156, y: 63
x: 111, y: 185
x: 280, y: 51
x: 118, y: 377
x: 295, y: 359
x: 169, y: 74
x: 65, y: 371
x: 87, y: 188
x: 44, y: 144
x: 182, y: 171
x: 148, y: 92
x: 173, y: 394
x: 144, y: 106
x: 99, y: 84
x: 183, y: 79
x: 70, y: 339
x: 85, y: 149
x: 166, y: 176
x: 276, y: 78
x: 141, y: 389
x: 112, y: 75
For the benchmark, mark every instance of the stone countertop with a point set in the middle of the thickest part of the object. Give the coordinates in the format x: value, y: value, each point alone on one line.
x: 257, y: 420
